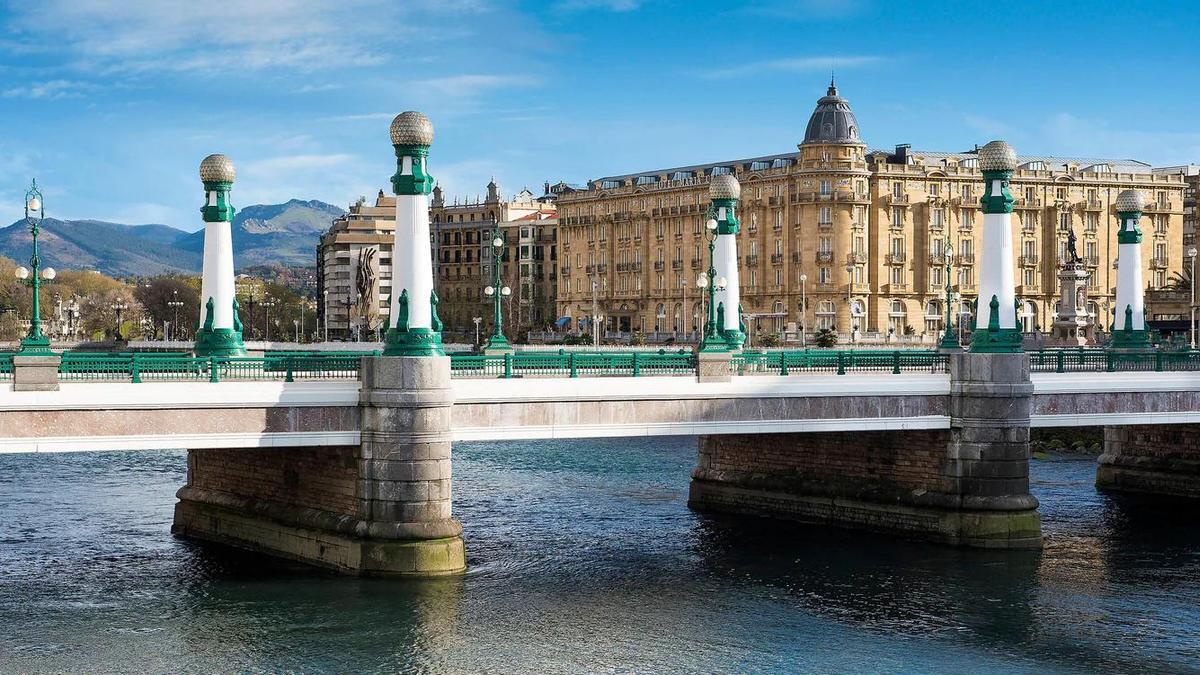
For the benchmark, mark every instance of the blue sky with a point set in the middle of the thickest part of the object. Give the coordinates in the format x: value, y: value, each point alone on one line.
x: 111, y: 104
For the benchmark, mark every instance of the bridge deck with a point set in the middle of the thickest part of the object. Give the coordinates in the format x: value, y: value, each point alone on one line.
x: 109, y: 416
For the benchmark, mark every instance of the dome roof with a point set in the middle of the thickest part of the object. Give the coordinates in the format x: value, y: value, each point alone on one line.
x: 217, y: 169
x: 832, y: 121
x: 1129, y: 201
x: 724, y: 186
x: 412, y: 128
x: 997, y: 156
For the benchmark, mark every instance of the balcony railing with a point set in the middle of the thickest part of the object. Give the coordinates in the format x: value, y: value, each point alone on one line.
x: 1158, y: 262
x: 751, y: 260
x: 776, y: 258
x: 856, y: 258
x: 1027, y: 261
x: 896, y: 200
x: 676, y: 264
x: 965, y: 259
x: 824, y: 256
x: 895, y: 258
x: 937, y: 258
x: 658, y: 265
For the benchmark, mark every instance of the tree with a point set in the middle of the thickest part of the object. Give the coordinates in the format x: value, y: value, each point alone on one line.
x: 1181, y: 280
x: 99, y: 318
x: 155, y: 295
x: 826, y: 338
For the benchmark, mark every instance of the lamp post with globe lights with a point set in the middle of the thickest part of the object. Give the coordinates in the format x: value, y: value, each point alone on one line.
x: 175, y: 303
x: 35, y: 342
x: 497, y: 343
x: 803, y: 309
x: 220, y: 330
x: 1191, y: 254
x: 709, y: 341
x: 118, y: 307
x: 724, y: 192
x: 949, y: 337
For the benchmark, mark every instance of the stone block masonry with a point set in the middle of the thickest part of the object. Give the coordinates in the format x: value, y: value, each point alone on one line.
x: 382, y: 507
x: 968, y: 485
x: 1161, y: 460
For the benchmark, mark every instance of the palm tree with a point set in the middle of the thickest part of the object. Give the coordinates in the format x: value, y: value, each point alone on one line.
x: 1181, y: 280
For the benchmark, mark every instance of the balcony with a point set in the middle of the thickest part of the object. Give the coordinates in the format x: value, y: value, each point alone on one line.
x: 1032, y: 203
x: 676, y: 265
x: 895, y: 288
x: 1091, y: 260
x: 658, y: 265
x: 695, y: 264
x: 1155, y: 207
x: 678, y: 236
x: 824, y: 227
x: 751, y: 260
x: 777, y: 226
x: 965, y: 259
x: 896, y: 226
x: 775, y: 201
x: 1092, y: 205
x: 856, y: 258
x: 637, y: 241
x: 566, y: 270
x: 896, y: 200
x: 589, y: 269
x: 937, y: 258
x: 796, y: 257
x: 1027, y: 261
x: 602, y: 268
x: 1158, y: 263
x: 824, y: 256
x: 895, y: 258
x: 1027, y: 289
x: 776, y: 258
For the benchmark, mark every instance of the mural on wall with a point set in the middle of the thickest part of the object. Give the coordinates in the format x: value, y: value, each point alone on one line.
x: 366, y: 279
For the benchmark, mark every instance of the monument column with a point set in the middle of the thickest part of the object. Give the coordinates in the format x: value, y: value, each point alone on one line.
x: 1129, y: 322
x: 996, y: 327
x: 220, y: 329
x: 414, y: 326
x: 724, y: 191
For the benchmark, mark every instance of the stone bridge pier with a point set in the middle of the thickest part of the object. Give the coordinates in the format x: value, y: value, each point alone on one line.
x: 1155, y: 460
x: 382, y: 507
x: 967, y: 486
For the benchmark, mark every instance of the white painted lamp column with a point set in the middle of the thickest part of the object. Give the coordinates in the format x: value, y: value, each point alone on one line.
x: 996, y: 327
x: 220, y: 329
x: 724, y: 191
x: 1129, y: 321
x: 415, y: 329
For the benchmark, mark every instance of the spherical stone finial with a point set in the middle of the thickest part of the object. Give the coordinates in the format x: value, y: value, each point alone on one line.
x: 724, y: 186
x: 997, y: 156
x: 217, y: 169
x: 412, y: 128
x: 1130, y: 201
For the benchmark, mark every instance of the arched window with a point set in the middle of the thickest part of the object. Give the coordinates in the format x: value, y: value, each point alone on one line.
x: 678, y: 317
x: 897, y: 306
x: 778, y: 309
x: 856, y: 308
x: 1028, y: 316
x: 933, y: 308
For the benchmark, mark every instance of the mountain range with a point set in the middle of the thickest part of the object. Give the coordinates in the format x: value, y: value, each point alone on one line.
x: 263, y: 234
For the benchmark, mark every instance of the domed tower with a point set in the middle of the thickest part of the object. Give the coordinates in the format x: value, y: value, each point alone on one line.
x: 1129, y: 321
x: 833, y: 201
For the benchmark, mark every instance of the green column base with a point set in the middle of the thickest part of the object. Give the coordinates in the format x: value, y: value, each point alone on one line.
x: 734, y: 339
x: 413, y: 342
x: 497, y: 344
x: 998, y: 341
x: 1130, y: 339
x: 34, y: 346
x: 219, y: 342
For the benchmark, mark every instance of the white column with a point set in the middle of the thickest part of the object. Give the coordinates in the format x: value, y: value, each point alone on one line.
x: 996, y: 269
x: 412, y: 263
x: 217, y: 279
x: 1129, y: 285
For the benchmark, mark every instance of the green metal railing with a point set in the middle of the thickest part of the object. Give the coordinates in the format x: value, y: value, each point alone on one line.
x: 1085, y: 360
x: 141, y: 367
x: 6, y: 366
x: 572, y: 364
x: 839, y: 362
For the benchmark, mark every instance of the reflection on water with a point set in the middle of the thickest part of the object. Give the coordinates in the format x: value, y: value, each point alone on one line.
x: 584, y: 556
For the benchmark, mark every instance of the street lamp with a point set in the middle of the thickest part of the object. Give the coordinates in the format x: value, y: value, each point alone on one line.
x: 296, y: 323
x: 478, y: 321
x: 175, y: 303
x: 267, y: 305
x: 118, y: 307
x: 849, y: 302
x: 709, y: 340
x: 325, y: 293
x: 949, y: 338
x: 35, y: 341
x: 1192, y: 254
x: 803, y: 309
x: 497, y: 292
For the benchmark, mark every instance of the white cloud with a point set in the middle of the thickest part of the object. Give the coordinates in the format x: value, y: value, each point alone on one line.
x: 50, y: 90
x: 609, y: 5
x: 466, y: 86
x: 803, y: 64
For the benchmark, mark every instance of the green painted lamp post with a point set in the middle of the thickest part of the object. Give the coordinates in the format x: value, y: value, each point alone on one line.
x: 949, y: 341
x: 35, y: 342
x: 219, y: 332
x: 996, y: 327
x: 710, y: 342
x: 497, y: 343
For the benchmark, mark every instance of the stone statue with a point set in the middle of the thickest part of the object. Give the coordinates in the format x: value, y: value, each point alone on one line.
x: 1072, y: 252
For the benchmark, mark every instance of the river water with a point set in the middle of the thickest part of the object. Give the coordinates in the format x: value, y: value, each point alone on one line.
x: 584, y: 558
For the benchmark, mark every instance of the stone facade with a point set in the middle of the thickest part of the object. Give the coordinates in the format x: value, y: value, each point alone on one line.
x: 461, y: 261
x: 867, y: 229
x: 1161, y: 460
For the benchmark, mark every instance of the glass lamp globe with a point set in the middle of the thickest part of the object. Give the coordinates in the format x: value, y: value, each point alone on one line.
x: 701, y: 282
x: 711, y: 224
x: 22, y: 272
x: 489, y: 291
x: 497, y: 242
x: 49, y: 273
x: 506, y: 291
x: 34, y: 204
x: 1192, y: 252
x: 722, y: 282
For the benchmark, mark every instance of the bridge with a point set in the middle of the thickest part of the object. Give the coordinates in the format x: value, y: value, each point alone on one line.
x: 344, y: 460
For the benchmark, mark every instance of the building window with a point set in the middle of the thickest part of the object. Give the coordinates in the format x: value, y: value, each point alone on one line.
x: 939, y: 217
x: 826, y: 187
x: 967, y: 218
x: 896, y: 275
x: 824, y: 276
x: 897, y: 216
x: 826, y: 215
